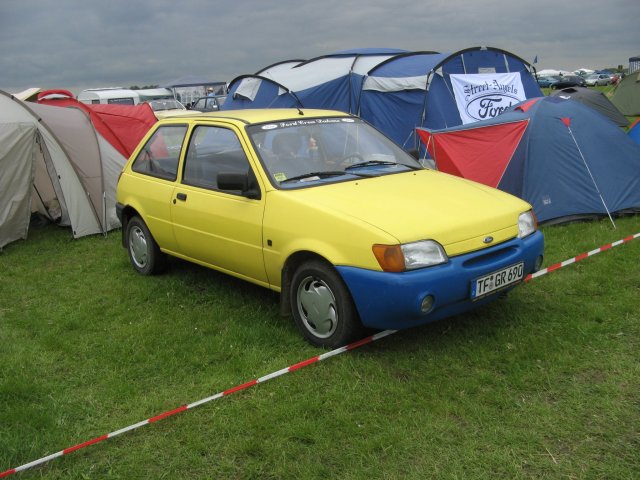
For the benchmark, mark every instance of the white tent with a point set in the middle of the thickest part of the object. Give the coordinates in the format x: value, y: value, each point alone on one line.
x: 551, y: 72
x: 53, y: 161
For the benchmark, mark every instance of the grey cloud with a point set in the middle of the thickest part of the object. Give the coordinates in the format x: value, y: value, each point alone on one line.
x: 79, y: 43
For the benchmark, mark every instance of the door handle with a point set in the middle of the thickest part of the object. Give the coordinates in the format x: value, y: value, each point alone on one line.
x: 181, y: 196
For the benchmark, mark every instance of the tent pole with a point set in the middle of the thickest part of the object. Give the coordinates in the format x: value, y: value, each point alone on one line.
x: 592, y: 179
x: 104, y: 213
x: 42, y: 202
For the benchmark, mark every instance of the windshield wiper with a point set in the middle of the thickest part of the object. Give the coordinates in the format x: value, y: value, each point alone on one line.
x: 369, y: 163
x: 324, y: 174
x: 327, y: 173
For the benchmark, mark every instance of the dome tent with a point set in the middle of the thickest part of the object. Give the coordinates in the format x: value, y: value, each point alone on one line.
x: 596, y: 100
x: 634, y: 131
x: 53, y: 161
x: 395, y: 90
x: 561, y: 156
x: 434, y: 101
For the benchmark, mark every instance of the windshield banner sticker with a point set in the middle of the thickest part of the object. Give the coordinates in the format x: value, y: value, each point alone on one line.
x: 486, y: 95
x: 307, y: 122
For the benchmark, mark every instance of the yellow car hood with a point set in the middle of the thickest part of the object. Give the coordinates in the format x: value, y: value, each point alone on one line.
x: 425, y: 204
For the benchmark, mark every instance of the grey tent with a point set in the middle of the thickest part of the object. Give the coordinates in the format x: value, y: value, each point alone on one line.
x: 596, y: 100
x: 17, y: 170
x: 54, y: 162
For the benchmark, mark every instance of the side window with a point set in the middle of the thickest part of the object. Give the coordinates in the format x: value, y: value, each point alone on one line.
x: 213, y: 150
x: 161, y: 154
x: 120, y: 101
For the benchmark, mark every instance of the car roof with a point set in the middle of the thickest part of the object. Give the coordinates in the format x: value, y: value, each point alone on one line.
x: 251, y: 116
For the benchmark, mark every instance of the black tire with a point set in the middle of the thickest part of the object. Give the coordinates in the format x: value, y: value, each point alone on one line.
x: 322, y: 306
x: 144, y: 253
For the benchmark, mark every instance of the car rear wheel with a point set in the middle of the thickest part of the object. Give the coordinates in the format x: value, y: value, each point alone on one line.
x: 144, y: 253
x: 322, y: 306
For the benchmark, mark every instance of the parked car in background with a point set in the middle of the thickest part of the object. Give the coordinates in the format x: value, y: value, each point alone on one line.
x: 598, y: 79
x: 565, y: 81
x: 169, y: 108
x: 547, y: 81
x: 324, y: 209
x: 616, y: 77
x: 208, y: 104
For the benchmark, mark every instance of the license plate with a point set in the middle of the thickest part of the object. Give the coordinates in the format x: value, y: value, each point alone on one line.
x: 497, y: 280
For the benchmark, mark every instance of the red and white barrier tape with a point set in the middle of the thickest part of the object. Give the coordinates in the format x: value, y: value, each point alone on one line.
x: 582, y: 256
x: 170, y: 413
x: 279, y: 373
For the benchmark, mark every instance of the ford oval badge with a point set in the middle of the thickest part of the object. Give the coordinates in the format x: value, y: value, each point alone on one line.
x: 488, y: 239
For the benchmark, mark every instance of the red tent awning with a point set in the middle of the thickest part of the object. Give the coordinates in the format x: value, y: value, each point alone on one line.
x: 123, y: 126
x: 479, y: 154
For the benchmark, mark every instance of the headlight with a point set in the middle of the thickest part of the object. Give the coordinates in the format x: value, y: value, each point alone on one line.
x: 527, y: 224
x: 398, y: 258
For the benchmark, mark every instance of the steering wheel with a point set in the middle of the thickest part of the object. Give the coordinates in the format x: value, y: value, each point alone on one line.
x: 350, y: 159
x: 151, y: 161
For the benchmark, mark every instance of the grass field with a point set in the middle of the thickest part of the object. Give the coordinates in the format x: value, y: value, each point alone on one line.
x: 542, y: 384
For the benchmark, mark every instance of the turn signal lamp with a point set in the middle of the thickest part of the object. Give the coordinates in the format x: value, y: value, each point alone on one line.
x: 389, y: 257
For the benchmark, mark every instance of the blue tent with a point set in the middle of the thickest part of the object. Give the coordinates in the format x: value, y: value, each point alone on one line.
x: 394, y: 93
x: 395, y: 90
x: 634, y: 131
x: 428, y: 97
x: 563, y: 157
x: 330, y: 81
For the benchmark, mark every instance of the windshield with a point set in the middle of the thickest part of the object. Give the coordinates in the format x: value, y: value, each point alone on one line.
x: 320, y: 150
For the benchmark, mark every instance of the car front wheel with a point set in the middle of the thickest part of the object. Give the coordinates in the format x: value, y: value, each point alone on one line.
x: 322, y: 306
x: 144, y: 253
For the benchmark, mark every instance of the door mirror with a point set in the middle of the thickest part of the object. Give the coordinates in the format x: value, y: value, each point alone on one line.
x: 238, y: 182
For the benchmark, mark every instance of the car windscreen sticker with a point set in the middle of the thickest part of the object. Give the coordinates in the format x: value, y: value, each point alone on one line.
x: 306, y: 122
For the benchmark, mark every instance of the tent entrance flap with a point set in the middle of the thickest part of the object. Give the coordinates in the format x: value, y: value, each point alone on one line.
x: 17, y: 164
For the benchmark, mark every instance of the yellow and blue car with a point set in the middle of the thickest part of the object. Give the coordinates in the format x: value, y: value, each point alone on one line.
x: 321, y: 207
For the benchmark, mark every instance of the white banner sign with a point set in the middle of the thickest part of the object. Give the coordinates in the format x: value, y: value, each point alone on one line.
x: 485, y: 95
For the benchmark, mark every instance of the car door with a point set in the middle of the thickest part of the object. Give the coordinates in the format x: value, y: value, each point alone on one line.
x: 222, y: 229
x: 157, y: 166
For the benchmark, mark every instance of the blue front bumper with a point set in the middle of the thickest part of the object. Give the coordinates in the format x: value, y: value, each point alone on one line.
x: 393, y: 300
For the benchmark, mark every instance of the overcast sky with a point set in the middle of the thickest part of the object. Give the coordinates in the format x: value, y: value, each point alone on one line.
x: 77, y: 44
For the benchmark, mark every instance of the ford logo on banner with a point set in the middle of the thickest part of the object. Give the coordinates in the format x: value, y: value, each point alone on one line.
x: 488, y: 106
x: 486, y: 95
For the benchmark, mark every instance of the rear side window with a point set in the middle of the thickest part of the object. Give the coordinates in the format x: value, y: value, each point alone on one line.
x: 161, y: 154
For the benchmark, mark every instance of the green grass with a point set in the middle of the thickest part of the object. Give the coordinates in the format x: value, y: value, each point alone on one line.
x: 542, y: 384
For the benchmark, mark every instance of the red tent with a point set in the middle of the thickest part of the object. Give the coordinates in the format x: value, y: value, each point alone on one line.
x: 123, y: 126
